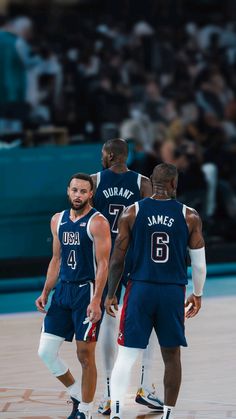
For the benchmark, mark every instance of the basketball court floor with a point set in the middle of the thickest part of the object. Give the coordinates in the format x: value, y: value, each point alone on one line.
x: 28, y: 391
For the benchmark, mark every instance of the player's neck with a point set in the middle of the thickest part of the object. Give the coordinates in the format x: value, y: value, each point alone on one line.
x: 119, y: 167
x: 77, y: 214
x: 161, y: 193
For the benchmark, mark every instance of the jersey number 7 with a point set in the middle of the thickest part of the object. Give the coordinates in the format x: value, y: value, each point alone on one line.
x: 115, y: 210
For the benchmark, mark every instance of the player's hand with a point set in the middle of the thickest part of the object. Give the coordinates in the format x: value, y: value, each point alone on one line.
x: 193, y: 305
x: 41, y: 303
x: 94, y: 312
x: 111, y: 302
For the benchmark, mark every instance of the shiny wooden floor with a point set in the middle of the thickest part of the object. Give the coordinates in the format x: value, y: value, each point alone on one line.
x: 209, y: 369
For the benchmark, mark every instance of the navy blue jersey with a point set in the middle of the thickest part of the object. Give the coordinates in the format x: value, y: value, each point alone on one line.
x: 159, y: 242
x: 115, y: 191
x: 78, y: 263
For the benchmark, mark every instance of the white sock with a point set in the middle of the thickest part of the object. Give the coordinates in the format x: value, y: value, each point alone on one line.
x: 85, y: 407
x: 168, y: 410
x: 74, y: 391
x: 108, y: 341
x: 147, y: 381
x: 120, y: 377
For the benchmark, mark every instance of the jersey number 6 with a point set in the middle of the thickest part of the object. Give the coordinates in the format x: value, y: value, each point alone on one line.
x: 159, y: 247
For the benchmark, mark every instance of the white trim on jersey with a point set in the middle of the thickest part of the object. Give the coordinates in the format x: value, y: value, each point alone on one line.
x: 186, y: 206
x: 98, y: 178
x: 91, y: 238
x: 90, y: 325
x: 88, y: 225
x: 139, y: 180
x: 94, y: 261
x: 136, y: 208
x: 59, y: 221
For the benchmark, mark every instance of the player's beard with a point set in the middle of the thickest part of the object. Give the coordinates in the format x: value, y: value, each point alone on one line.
x: 79, y: 206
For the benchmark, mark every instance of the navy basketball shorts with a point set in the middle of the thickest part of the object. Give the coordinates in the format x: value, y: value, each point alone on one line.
x: 67, y: 314
x: 147, y: 306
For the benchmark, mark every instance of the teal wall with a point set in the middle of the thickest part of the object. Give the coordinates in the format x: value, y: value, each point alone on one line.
x: 33, y: 187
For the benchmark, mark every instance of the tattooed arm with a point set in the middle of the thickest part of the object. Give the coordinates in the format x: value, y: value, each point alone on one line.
x: 117, y: 261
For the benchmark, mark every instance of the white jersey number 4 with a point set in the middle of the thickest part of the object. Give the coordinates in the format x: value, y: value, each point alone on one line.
x: 71, y: 261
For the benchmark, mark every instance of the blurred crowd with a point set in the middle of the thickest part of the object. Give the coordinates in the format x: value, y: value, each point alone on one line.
x: 170, y: 91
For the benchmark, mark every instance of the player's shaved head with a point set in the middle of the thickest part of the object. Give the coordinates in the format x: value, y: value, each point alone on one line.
x: 164, y: 180
x: 164, y: 173
x: 118, y: 147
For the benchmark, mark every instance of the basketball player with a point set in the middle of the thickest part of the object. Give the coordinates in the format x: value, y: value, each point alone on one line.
x: 160, y: 230
x: 115, y: 188
x: 81, y: 251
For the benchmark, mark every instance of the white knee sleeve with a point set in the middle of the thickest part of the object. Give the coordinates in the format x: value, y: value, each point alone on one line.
x: 49, y: 346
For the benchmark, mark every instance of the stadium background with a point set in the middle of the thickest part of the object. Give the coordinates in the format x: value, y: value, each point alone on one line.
x: 159, y: 73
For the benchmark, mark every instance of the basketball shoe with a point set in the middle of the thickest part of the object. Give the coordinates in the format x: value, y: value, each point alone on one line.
x: 105, y: 406
x: 149, y: 399
x: 74, y: 408
x: 82, y: 415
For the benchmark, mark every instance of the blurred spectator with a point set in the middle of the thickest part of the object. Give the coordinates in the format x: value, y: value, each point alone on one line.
x: 171, y: 89
x: 109, y: 103
x: 15, y: 59
x: 153, y: 102
x: 45, y: 88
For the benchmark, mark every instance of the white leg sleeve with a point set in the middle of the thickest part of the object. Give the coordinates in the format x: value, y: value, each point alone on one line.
x: 108, y: 342
x: 49, y: 346
x: 120, y: 377
x: 147, y: 381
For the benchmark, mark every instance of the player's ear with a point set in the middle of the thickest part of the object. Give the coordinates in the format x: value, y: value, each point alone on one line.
x: 111, y: 156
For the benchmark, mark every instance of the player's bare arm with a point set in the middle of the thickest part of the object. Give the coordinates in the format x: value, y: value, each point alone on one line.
x: 194, y: 222
x: 198, y: 263
x: 117, y: 261
x: 100, y: 231
x: 146, y: 187
x: 94, y: 179
x: 53, y: 268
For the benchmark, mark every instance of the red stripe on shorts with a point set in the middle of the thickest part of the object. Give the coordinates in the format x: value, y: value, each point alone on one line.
x: 92, y: 333
x: 121, y: 336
